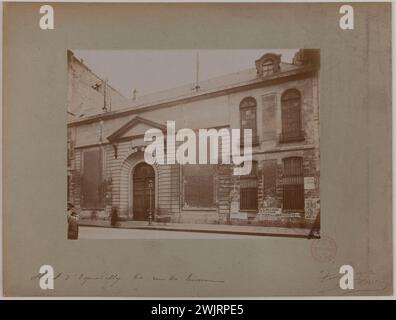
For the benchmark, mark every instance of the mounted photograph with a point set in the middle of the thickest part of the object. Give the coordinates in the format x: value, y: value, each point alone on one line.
x: 161, y: 127
x: 194, y: 144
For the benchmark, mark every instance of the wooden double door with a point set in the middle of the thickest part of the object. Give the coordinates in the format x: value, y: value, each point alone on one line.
x: 143, y: 180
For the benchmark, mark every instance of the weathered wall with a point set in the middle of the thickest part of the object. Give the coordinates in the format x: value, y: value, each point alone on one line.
x: 217, y: 111
x: 82, y: 97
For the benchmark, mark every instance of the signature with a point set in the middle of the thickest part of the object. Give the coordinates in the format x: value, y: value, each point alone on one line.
x: 364, y: 281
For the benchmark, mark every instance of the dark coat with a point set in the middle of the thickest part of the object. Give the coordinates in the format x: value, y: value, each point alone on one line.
x: 72, y: 228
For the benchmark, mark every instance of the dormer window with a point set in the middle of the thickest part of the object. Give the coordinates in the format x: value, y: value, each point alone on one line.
x: 268, y: 67
x: 268, y: 64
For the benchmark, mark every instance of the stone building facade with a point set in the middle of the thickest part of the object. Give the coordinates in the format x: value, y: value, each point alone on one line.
x: 278, y: 101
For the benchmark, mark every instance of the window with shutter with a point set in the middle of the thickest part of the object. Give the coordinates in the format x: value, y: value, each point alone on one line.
x: 293, y: 184
x: 291, y: 116
x: 199, y: 185
x: 248, y: 190
x: 92, y: 186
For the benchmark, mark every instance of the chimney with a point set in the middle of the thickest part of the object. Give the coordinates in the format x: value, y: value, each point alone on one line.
x: 307, y: 56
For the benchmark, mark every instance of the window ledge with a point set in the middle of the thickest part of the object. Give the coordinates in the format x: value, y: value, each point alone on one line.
x: 199, y: 209
x: 297, y: 138
x: 255, y: 142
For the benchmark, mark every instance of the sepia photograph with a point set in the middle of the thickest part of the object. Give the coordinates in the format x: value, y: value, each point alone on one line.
x: 200, y: 104
x: 211, y: 150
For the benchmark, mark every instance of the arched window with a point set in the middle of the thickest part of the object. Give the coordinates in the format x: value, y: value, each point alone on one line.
x: 247, y: 110
x: 248, y: 190
x: 291, y: 116
x: 293, y: 184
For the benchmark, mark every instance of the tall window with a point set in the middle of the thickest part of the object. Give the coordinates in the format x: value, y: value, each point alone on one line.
x: 248, y: 190
x: 199, y: 182
x: 291, y: 116
x: 248, y: 118
x: 293, y: 184
x: 92, y: 186
x: 199, y: 185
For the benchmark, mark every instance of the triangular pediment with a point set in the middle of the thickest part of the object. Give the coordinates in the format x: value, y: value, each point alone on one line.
x: 136, y: 127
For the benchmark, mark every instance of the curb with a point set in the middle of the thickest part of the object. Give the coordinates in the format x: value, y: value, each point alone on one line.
x: 159, y: 228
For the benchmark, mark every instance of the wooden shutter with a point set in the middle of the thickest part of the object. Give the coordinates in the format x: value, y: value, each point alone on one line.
x: 92, y: 187
x: 199, y: 185
x: 248, y: 190
x: 269, y: 173
x: 293, y: 184
x: 291, y: 115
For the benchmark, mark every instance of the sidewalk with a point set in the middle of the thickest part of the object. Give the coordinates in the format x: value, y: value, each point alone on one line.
x: 205, y: 228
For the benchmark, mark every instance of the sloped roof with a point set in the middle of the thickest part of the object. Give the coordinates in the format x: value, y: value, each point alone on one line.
x: 244, y: 77
x: 221, y: 82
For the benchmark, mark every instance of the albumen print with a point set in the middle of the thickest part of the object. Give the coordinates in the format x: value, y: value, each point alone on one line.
x: 197, y: 149
x: 193, y: 187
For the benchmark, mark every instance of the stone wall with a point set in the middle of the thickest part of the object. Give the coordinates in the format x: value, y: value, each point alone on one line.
x: 86, y: 90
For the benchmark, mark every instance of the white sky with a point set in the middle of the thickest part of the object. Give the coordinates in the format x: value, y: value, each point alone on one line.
x: 155, y: 70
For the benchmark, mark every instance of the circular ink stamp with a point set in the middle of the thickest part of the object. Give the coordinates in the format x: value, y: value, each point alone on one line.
x: 324, y: 249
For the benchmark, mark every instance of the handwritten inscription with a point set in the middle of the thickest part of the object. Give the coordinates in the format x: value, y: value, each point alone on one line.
x: 110, y: 280
x: 105, y: 279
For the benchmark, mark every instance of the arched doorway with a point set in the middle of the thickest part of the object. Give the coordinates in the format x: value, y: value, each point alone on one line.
x: 143, y: 179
